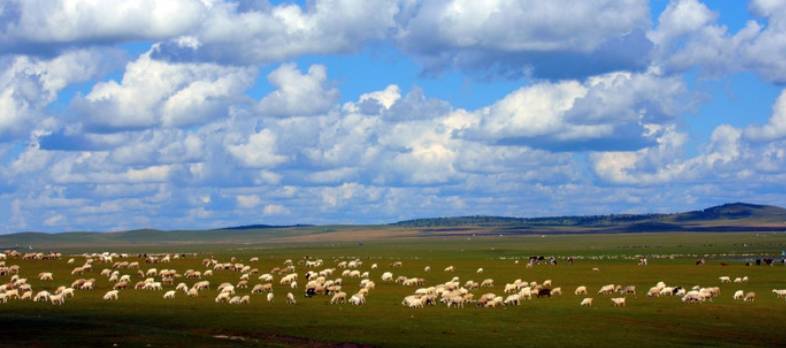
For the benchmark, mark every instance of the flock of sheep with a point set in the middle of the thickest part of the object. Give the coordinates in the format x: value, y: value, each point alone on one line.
x: 122, y: 274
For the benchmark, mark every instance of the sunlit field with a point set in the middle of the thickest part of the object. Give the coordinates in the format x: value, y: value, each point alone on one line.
x: 145, y: 318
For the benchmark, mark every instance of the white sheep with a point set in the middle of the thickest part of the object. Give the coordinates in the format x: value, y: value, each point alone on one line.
x: 57, y: 299
x: 479, y: 271
x: 580, y: 290
x: 606, y: 289
x: 724, y: 279
x: 270, y: 297
x: 45, y: 276
x: 618, y: 301
x: 738, y: 295
x: 586, y: 302
x: 339, y: 297
x: 291, y: 298
x: 357, y: 299
x: 387, y: 277
x: 111, y: 295
x: 750, y: 297
x: 169, y: 295
x: 223, y: 297
x: 42, y: 296
x: 449, y: 269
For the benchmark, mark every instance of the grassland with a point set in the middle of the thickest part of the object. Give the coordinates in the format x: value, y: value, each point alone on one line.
x: 143, y: 318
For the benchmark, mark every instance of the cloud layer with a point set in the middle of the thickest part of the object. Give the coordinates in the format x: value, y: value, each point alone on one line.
x: 94, y: 135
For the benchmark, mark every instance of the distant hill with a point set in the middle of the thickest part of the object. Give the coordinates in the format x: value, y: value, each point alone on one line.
x: 732, y: 217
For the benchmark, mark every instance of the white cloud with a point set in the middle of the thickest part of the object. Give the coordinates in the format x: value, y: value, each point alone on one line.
x: 281, y: 32
x: 549, y: 40
x: 260, y: 151
x: 159, y: 94
x: 248, y: 201
x: 663, y: 163
x: 610, y: 111
x: 28, y: 85
x: 298, y: 94
x: 45, y: 25
x: 275, y: 209
x: 689, y: 35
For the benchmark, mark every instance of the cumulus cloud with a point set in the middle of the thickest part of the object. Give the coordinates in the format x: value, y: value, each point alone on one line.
x: 664, y: 163
x: 259, y: 151
x: 45, y: 27
x: 551, y: 38
x: 298, y: 94
x: 28, y: 85
x: 605, y: 112
x: 155, y: 93
x: 246, y: 35
x: 688, y: 35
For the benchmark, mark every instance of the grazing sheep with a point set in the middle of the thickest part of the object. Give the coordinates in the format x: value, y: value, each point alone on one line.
x: 581, y: 290
x: 339, y: 297
x: 556, y: 291
x: 357, y: 299
x: 45, y: 276
x: 595, y: 269
x: 618, y: 301
x: 222, y: 297
x: 192, y: 292
x: 57, y: 299
x: 487, y: 283
x: 67, y: 292
x: 182, y: 287
x: 387, y: 277
x: 449, y: 269
x: 479, y: 271
x: 750, y: 297
x: 547, y: 283
x: 724, y: 279
x: 120, y: 285
x: 41, y: 296
x: 413, y: 301
x: 606, y: 289
x: 270, y: 297
x: 27, y: 295
x: 111, y: 295
x: 512, y: 300
x: 169, y: 295
x: 693, y: 296
x: 291, y: 298
x: 586, y: 302
x: 738, y: 295
x: 427, y: 269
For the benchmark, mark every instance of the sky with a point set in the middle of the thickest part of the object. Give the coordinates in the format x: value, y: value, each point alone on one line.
x: 183, y: 114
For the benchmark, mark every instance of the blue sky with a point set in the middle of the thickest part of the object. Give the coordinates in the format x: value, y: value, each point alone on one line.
x: 190, y: 114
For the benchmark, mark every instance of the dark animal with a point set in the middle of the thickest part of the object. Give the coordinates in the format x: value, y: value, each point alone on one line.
x: 311, y: 292
x: 544, y: 293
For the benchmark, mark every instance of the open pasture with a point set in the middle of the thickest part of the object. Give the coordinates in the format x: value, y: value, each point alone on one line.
x: 144, y: 317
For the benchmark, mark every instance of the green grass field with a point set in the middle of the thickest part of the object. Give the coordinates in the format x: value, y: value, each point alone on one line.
x: 143, y: 318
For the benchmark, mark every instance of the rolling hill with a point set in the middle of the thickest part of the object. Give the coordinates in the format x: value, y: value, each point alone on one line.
x: 732, y: 217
